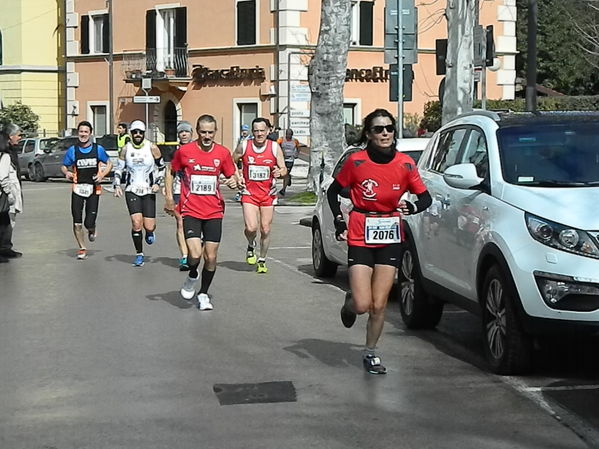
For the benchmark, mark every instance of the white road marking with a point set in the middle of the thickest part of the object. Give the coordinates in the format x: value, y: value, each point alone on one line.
x: 563, y: 388
x: 301, y: 273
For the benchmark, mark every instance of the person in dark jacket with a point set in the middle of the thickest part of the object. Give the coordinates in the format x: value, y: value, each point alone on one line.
x: 10, y: 135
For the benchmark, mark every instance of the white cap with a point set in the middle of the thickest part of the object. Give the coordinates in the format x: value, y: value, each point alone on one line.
x: 137, y: 124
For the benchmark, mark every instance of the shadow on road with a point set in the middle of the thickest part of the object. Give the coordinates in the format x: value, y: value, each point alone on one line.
x: 168, y: 261
x: 236, y: 265
x: 72, y: 253
x: 330, y: 353
x: 173, y: 298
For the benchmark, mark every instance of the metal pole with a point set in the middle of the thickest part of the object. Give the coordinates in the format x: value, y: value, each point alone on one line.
x: 110, y: 72
x: 277, y: 62
x: 531, y: 59
x: 399, y: 70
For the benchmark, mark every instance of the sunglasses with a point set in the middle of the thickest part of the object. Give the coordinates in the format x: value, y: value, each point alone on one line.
x: 377, y: 129
x: 136, y: 131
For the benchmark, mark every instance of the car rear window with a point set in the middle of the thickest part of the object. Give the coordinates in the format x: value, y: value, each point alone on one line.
x: 556, y: 154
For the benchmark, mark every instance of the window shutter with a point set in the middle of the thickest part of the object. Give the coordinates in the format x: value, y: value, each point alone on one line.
x: 246, y: 22
x: 85, y: 35
x: 105, y: 34
x: 366, y: 23
x: 151, y: 29
x: 181, y: 27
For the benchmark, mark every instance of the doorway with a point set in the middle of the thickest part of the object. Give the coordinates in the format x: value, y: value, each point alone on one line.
x: 170, y: 122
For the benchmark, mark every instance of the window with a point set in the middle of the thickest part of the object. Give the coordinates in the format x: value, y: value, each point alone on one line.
x: 247, y: 113
x: 29, y: 146
x: 448, y: 149
x: 362, y: 20
x: 246, y: 22
x: 349, y: 113
x: 475, y: 152
x: 99, y: 117
x: 95, y: 34
x: 166, y: 40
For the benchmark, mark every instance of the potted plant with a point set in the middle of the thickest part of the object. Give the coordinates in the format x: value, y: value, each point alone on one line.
x: 169, y: 71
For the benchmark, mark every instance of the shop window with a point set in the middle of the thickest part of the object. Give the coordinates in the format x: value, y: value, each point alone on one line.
x: 166, y: 40
x: 95, y: 34
x: 362, y: 22
x: 246, y: 22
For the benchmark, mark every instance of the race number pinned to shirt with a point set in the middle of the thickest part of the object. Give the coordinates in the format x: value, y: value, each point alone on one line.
x: 140, y: 190
x: 259, y: 172
x: 382, y: 230
x: 203, y: 184
x: 84, y: 190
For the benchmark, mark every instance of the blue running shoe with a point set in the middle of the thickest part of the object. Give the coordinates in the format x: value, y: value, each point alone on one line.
x: 139, y: 261
x: 150, y: 238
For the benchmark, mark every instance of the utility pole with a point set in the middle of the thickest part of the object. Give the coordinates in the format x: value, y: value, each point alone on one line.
x: 531, y: 60
x: 459, y: 81
x: 110, y: 72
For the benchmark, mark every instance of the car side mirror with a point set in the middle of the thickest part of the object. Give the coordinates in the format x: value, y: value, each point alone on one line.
x: 462, y: 176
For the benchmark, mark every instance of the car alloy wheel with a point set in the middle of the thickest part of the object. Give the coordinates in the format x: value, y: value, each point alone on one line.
x: 508, y: 348
x: 322, y: 265
x: 418, y: 309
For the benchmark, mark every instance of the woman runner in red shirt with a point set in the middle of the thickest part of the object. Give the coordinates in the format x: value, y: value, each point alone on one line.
x: 376, y: 177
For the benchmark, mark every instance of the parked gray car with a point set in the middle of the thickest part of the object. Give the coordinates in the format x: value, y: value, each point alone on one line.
x: 30, y: 147
x: 47, y: 165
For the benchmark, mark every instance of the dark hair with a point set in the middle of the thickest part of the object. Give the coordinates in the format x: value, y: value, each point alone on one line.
x: 261, y: 120
x: 206, y: 118
x: 367, y: 123
x: 85, y: 123
x: 123, y: 125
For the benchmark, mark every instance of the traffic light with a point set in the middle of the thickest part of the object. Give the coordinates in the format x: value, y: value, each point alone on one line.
x: 408, y: 79
x: 490, y: 46
x: 441, y: 56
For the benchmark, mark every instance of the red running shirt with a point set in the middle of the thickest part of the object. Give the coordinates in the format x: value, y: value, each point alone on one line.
x: 376, y: 188
x: 258, y: 168
x: 200, y: 193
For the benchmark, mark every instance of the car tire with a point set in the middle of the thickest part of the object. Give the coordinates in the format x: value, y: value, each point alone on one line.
x: 508, y: 348
x: 36, y: 173
x: 323, y: 266
x: 418, y: 309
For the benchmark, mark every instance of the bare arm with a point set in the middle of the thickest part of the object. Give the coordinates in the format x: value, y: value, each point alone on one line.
x: 280, y: 170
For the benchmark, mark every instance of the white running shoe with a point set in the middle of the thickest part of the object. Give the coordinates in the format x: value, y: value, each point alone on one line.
x: 204, y: 302
x: 188, y: 289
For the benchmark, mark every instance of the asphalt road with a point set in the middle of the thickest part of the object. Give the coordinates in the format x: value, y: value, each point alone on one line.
x: 98, y: 354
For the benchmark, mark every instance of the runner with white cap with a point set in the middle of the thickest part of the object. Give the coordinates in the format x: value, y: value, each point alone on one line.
x: 144, y: 171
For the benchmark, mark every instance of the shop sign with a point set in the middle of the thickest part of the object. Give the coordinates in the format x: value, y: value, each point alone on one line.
x: 299, y: 122
x: 234, y: 73
x: 299, y: 113
x: 375, y: 74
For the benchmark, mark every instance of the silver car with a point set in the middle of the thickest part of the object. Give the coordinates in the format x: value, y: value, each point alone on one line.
x: 30, y: 147
x: 327, y: 252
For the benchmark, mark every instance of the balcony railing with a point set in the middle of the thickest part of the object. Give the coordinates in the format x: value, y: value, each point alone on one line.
x: 156, y: 63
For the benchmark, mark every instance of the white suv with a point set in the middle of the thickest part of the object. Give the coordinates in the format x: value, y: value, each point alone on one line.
x: 512, y: 234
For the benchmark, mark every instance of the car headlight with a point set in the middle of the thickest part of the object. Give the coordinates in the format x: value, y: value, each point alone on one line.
x: 561, y: 237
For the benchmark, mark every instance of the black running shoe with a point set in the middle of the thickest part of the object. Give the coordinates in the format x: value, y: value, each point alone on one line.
x: 348, y: 316
x: 372, y: 364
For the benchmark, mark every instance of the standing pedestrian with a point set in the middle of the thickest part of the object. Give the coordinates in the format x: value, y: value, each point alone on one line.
x: 85, y: 164
x: 377, y: 177
x: 262, y: 163
x: 290, y: 148
x: 142, y: 162
x: 201, y: 204
x: 10, y: 185
x: 122, y: 137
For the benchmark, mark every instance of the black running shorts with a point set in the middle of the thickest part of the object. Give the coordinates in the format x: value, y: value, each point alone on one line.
x: 207, y: 230
x: 385, y: 255
x: 145, y: 204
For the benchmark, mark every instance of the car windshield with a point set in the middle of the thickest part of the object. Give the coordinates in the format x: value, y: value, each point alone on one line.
x: 564, y: 154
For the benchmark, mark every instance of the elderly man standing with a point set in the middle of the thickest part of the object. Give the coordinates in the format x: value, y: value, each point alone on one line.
x: 10, y: 179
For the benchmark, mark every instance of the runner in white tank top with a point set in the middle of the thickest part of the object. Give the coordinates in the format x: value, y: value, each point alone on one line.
x: 144, y: 172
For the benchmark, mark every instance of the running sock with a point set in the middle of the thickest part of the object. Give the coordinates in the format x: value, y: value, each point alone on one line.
x: 193, y: 267
x: 207, y: 277
x: 137, y: 240
x: 368, y: 352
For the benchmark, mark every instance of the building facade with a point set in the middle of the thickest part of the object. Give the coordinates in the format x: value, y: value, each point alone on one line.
x: 239, y: 59
x: 31, y: 59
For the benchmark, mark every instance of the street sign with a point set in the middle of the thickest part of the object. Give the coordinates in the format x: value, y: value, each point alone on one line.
x: 299, y: 123
x: 145, y: 99
x: 407, y: 78
x: 299, y: 113
x: 409, y: 17
x: 301, y: 131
